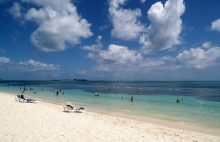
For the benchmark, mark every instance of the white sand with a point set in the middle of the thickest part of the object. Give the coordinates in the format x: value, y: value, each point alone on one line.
x: 45, y: 122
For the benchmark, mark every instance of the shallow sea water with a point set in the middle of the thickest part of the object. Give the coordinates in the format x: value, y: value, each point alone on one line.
x: 199, y: 101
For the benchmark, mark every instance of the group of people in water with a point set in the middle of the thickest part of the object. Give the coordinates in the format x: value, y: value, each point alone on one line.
x: 31, y: 89
x: 178, y: 101
x: 59, y: 91
x: 25, y: 89
x: 132, y: 98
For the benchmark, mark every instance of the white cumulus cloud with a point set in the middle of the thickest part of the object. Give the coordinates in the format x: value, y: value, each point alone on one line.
x: 59, y: 25
x: 119, y: 61
x: 216, y: 25
x: 15, y: 10
x: 117, y: 54
x: 198, y: 58
x: 39, y: 15
x: 95, y: 47
x: 33, y: 66
x: 101, y: 68
x: 125, y: 22
x: 206, y: 44
x: 143, y: 1
x: 166, y: 24
x: 151, y: 63
x: 4, y: 60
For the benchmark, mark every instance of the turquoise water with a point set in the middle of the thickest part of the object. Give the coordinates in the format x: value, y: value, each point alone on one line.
x: 199, y: 101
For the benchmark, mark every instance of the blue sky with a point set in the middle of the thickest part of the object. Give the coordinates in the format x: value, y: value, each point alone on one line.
x: 110, y: 39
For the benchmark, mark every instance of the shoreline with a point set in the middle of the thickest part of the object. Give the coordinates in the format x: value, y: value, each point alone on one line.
x: 161, y: 124
x: 154, y: 120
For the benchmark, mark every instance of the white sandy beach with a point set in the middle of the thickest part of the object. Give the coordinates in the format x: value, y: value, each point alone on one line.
x: 45, y: 122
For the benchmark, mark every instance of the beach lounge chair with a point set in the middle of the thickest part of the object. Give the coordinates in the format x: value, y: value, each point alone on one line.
x: 81, y: 109
x: 69, y: 107
x: 24, y: 100
x: 29, y: 100
x: 18, y: 98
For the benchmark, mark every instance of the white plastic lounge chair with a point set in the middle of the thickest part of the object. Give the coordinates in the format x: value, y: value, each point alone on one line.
x: 69, y: 107
x: 81, y: 109
x: 29, y: 100
x: 24, y: 100
x: 19, y: 99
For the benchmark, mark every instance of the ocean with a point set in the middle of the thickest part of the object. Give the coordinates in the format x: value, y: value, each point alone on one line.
x: 199, y: 102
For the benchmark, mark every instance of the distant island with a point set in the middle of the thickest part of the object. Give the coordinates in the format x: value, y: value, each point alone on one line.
x: 70, y: 80
x: 80, y: 79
